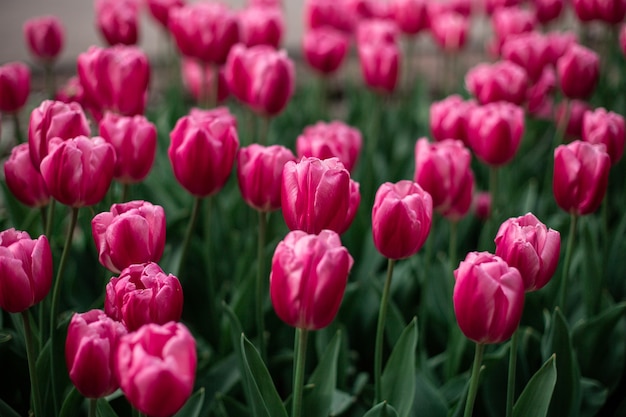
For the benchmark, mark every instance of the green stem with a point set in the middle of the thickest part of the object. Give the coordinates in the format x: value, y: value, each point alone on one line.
x: 264, y: 130
x: 510, y: 387
x: 93, y: 407
x: 453, y: 244
x: 493, y: 189
x: 49, y: 218
x: 18, y: 129
x: 30, y: 354
x: 43, y: 211
x: 568, y: 257
x: 380, y: 333
x: 50, y: 80
x: 298, y: 371
x: 260, y: 281
x: 187, y: 239
x: 473, y: 388
x: 124, y: 193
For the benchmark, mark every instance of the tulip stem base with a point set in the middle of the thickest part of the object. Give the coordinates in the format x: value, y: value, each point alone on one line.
x: 566, y: 263
x: 380, y: 334
x: 187, y: 239
x: 474, y: 380
x: 510, y: 387
x: 260, y: 279
x: 30, y: 354
x: 298, y: 371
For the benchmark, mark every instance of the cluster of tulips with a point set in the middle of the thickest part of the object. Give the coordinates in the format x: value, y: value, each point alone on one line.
x: 92, y: 143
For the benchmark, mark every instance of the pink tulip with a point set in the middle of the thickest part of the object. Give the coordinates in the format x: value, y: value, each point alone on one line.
x: 78, y: 171
x: 71, y: 91
x: 318, y: 194
x: 326, y: 140
x: 143, y: 294
x: 585, y: 10
x: 401, y: 219
x: 25, y: 270
x: 117, y: 21
x: 260, y: 174
x: 325, y: 48
x: 308, y: 278
x: 488, y: 298
x: 581, y: 176
x: 361, y: 10
x: 502, y: 81
x: 380, y: 64
x: 492, y: 6
x: 130, y: 233
x: 495, y: 132
x: 377, y: 31
x: 44, y: 37
x: 539, y: 102
x: 14, y: 86
x: 548, y: 10
x: 90, y: 347
x: 528, y: 245
x: 156, y: 368
x: 198, y: 80
x: 333, y: 13
x: 261, y: 25
x: 607, y: 128
x: 448, y: 118
x: 23, y: 180
x: 160, y: 9
x: 578, y: 72
x: 135, y: 140
x: 510, y: 21
x: 612, y: 11
x: 558, y: 44
x: 443, y: 170
x: 576, y: 111
x: 482, y: 205
x: 261, y: 77
x: 54, y: 119
x: 450, y: 31
x: 411, y: 16
x: 530, y: 51
x: 202, y: 150
x: 204, y: 30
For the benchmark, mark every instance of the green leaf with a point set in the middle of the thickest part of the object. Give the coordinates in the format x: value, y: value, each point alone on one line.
x: 266, y: 401
x: 341, y: 402
x: 381, y: 410
x: 104, y: 409
x: 594, y: 395
x: 398, y: 379
x: 428, y: 400
x: 193, y: 406
x: 71, y: 403
x: 319, y: 399
x: 535, y: 399
x: 6, y: 410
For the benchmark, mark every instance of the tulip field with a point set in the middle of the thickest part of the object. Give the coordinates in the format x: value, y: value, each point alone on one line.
x: 234, y: 229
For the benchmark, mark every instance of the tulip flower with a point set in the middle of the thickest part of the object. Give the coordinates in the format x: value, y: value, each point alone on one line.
x: 14, y: 86
x: 325, y: 49
x: 411, y: 16
x: 559, y: 43
x: 143, y: 294
x: 117, y: 21
x: 575, y: 110
x: 448, y: 118
x: 71, y: 91
x: 380, y: 64
x: 528, y: 245
x: 332, y: 13
x: 23, y: 180
x: 607, y: 128
x: 540, y: 103
x: 90, y: 348
x: 326, y: 140
x: 160, y: 9
x: 199, y: 80
x: 134, y: 139
x: 578, y: 72
x: 131, y: 233
x: 510, y: 21
x: 502, y: 81
x: 529, y: 50
x: 261, y: 25
x: 44, y: 37
x: 482, y: 205
x: 548, y: 10
x: 611, y: 12
x: 318, y: 194
x: 156, y: 368
x: 450, y: 31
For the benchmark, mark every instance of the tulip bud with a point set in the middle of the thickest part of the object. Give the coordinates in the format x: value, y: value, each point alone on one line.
x: 131, y: 233
x: 510, y: 21
x: 156, y: 368
x: 160, y: 9
x: 318, y: 194
x: 44, y: 37
x: 502, y: 81
x: 260, y: 174
x: 581, y: 176
x: 117, y: 21
x: 495, y: 132
x: 488, y: 298
x: 135, y: 140
x: 607, y: 128
x: 332, y: 13
x: 143, y: 294
x: 14, y: 86
x: 411, y: 16
x: 308, y: 278
x: 79, y: 171
x: 528, y: 245
x: 578, y: 70
x: 576, y: 111
x: 450, y: 31
x: 448, y: 118
x: 326, y: 140
x: 24, y: 181
x: 325, y: 48
x: 443, y: 170
x: 90, y: 347
x: 530, y: 51
x: 203, y: 149
x: 25, y: 270
x: 558, y: 44
x: 401, y: 219
x: 482, y: 205
x: 261, y: 25
x: 380, y: 63
x: 548, y: 10
x: 198, y: 80
x: 539, y: 96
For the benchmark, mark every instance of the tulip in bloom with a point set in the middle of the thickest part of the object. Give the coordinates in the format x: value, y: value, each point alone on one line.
x: 448, y: 118
x: 326, y: 140
x: 131, y: 233
x: 488, y: 298
x: 495, y: 132
x: 143, y: 294
x: 450, y: 31
x: 443, y: 170
x: 134, y: 139
x: 401, y: 219
x: 117, y: 21
x: 260, y: 174
x: 78, y: 171
x: 23, y: 180
x: 14, y: 86
x: 308, y: 278
x: 25, y: 270
x: 530, y: 51
x: 528, y: 245
x: 320, y: 13
x: 411, y: 16
x: 325, y: 48
x: 318, y: 194
x: 261, y: 25
x: 261, y: 77
x: 581, y: 176
x: 198, y: 80
x: 160, y: 9
x: 44, y: 37
x: 607, y: 128
x: 559, y: 43
x: 576, y: 111
x: 380, y: 64
x: 578, y: 72
x: 156, y: 368
x: 510, y: 21
x: 611, y: 11
x: 502, y: 81
x: 539, y: 95
x: 548, y: 10
x: 90, y: 347
x: 202, y: 150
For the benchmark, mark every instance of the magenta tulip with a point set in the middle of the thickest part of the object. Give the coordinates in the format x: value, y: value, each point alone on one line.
x: 540, y: 102
x: 90, y: 347
x: 308, y: 278
x: 548, y: 10
x: 160, y: 9
x: 380, y: 65
x: 156, y: 368
x: 14, y: 86
x: 411, y: 16
x: 448, y: 118
x: 607, y: 128
x: 576, y: 112
x: 325, y: 49
x: 326, y: 140
x: 261, y: 25
x: 502, y: 81
x: 332, y: 13
x: 481, y: 204
x: 488, y: 298
x: 559, y: 43
x: 578, y: 72
x: 198, y: 80
x: 510, y: 21
x: 44, y: 37
x: 23, y: 180
x: 118, y: 21
x: 530, y: 51
x: 450, y: 31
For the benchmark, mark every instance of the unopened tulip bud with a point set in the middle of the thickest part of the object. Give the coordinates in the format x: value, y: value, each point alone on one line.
x: 325, y: 48
x: 44, y: 37
x: 607, y: 128
x: 326, y: 140
x: 578, y: 72
x: 14, y: 86
x: 23, y: 180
